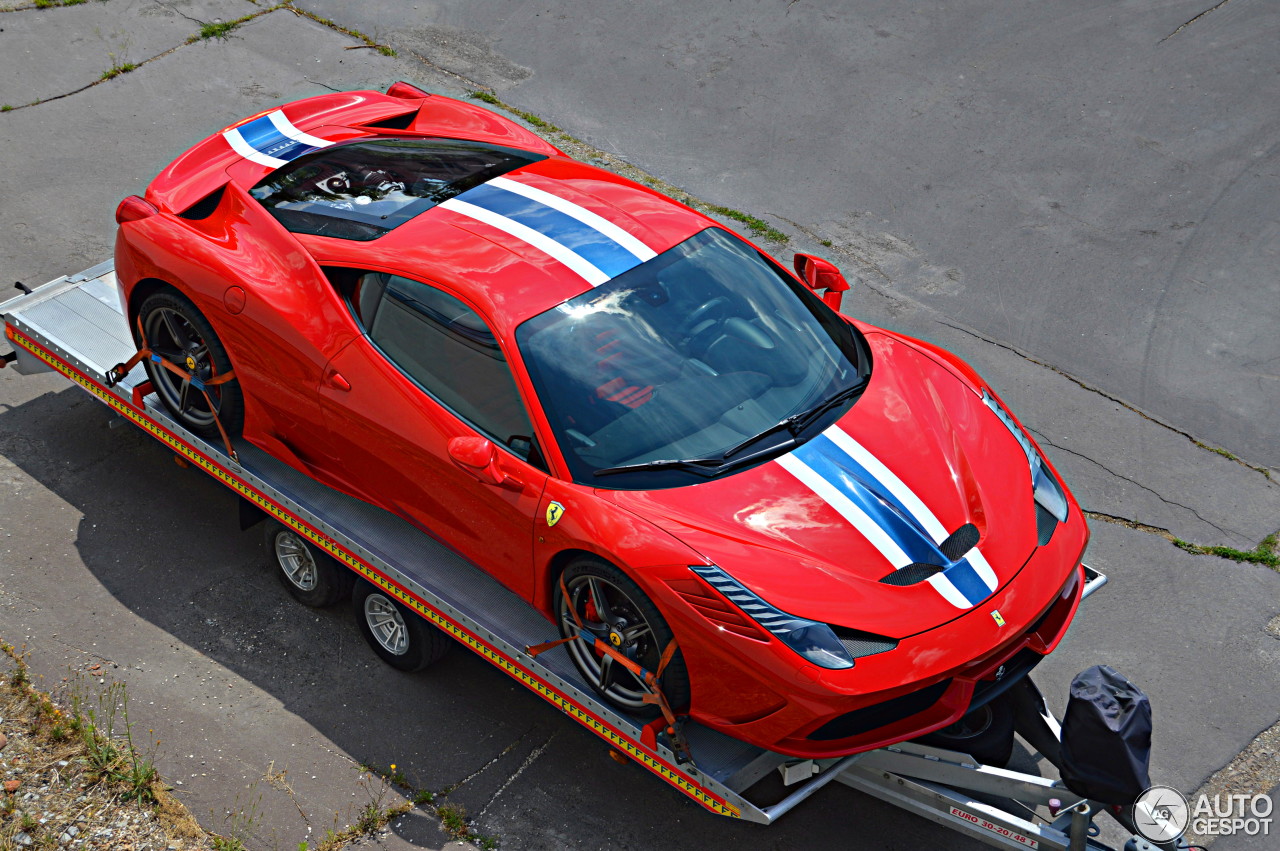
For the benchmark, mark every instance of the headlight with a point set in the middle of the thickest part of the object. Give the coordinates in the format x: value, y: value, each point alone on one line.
x: 1049, y: 494
x: 813, y: 640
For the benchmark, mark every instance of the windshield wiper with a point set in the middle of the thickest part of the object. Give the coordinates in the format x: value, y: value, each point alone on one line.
x: 797, y: 423
x: 709, y: 467
x: 705, y: 466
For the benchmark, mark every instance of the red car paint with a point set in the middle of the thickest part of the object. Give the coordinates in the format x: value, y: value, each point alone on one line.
x: 320, y: 397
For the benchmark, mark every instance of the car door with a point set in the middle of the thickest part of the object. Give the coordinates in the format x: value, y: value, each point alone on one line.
x: 429, y: 373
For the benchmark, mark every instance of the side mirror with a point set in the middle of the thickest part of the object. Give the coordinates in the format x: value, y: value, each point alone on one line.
x: 479, y: 457
x: 819, y: 274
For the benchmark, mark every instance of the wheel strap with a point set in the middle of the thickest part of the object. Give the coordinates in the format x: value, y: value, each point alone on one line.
x: 651, y: 679
x: 118, y: 373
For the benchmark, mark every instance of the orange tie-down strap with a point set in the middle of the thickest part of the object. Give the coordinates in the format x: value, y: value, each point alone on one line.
x: 651, y: 679
x: 118, y: 372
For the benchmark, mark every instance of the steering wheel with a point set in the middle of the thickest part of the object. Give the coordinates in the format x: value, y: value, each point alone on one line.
x: 701, y: 312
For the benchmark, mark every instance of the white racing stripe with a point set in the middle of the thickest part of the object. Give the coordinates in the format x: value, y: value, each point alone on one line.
x: 287, y: 129
x: 244, y: 149
x: 572, y: 259
x: 916, y: 507
x: 869, y: 528
x: 603, y: 226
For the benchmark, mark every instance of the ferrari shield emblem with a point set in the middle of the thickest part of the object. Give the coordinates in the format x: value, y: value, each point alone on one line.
x: 997, y: 617
x: 554, y: 512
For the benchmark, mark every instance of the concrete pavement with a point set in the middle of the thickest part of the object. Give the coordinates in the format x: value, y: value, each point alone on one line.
x: 110, y: 555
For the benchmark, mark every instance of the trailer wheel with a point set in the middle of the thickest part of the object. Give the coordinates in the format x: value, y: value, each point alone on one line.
x: 310, y: 575
x: 610, y: 606
x: 177, y: 331
x: 401, y: 638
x: 986, y: 734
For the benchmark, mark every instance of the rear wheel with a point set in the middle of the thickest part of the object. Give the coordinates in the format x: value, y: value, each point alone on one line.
x: 311, y: 576
x: 401, y: 638
x: 177, y: 331
x: 603, y: 602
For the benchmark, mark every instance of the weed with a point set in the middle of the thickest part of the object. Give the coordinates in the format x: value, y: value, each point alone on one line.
x: 756, y: 225
x: 826, y: 243
x: 116, y: 70
x: 491, y: 98
x: 6, y: 108
x: 240, y: 821
x: 453, y: 817
x: 1264, y: 553
x: 118, y: 761
x: 220, y: 29
x: 423, y: 796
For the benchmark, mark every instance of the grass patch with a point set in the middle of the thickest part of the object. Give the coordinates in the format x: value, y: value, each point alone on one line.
x: 1264, y: 553
x: 116, y: 70
x: 220, y: 29
x: 755, y: 225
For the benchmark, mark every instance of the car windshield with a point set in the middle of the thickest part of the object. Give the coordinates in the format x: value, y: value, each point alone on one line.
x: 360, y: 190
x: 705, y: 359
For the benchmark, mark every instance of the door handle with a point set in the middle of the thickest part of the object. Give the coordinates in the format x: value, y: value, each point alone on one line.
x: 335, y: 380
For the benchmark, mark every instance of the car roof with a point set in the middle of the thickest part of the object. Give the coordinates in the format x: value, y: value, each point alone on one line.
x: 525, y: 242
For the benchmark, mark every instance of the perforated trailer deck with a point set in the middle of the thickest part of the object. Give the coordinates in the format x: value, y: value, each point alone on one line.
x: 74, y: 325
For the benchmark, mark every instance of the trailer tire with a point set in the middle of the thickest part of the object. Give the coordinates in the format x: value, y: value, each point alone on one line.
x: 401, y: 638
x: 177, y: 331
x: 310, y: 576
x: 986, y: 734
x: 630, y: 611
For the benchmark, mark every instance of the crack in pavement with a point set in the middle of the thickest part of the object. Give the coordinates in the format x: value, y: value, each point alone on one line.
x: 1199, y: 444
x: 455, y: 786
x: 122, y: 70
x: 1044, y: 440
x: 1193, y: 20
x: 528, y: 761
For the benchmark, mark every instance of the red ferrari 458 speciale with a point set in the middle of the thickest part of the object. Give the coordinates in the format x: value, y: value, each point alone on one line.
x: 630, y: 416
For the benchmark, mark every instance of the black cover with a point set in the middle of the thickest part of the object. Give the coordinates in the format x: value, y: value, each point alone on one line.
x: 1106, y: 737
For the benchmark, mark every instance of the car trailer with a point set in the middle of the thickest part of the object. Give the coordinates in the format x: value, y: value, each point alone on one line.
x: 74, y: 325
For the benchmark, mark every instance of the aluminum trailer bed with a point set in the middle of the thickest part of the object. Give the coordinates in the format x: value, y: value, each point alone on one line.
x: 74, y: 325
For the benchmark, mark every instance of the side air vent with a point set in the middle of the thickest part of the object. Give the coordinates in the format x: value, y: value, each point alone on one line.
x: 912, y: 574
x: 204, y: 208
x: 395, y: 122
x: 960, y: 542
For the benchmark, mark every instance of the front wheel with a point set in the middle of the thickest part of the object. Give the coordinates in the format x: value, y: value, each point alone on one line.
x: 401, y: 638
x: 177, y: 331
x: 595, y: 599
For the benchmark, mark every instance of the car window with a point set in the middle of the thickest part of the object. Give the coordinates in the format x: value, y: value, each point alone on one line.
x: 690, y: 355
x: 449, y: 351
x: 360, y: 190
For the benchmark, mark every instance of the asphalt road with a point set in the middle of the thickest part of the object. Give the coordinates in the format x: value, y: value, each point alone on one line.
x: 963, y: 159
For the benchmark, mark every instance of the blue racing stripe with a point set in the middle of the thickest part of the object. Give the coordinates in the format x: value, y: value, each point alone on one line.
x: 587, y: 242
x: 261, y: 135
x: 967, y: 582
x: 839, y: 470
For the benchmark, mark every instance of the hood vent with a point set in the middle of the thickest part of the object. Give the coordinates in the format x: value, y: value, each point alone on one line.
x: 912, y: 574
x: 954, y: 548
x: 960, y: 542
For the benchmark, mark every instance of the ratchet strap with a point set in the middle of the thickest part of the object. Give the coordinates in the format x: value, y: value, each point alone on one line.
x: 118, y: 373
x: 674, y: 725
